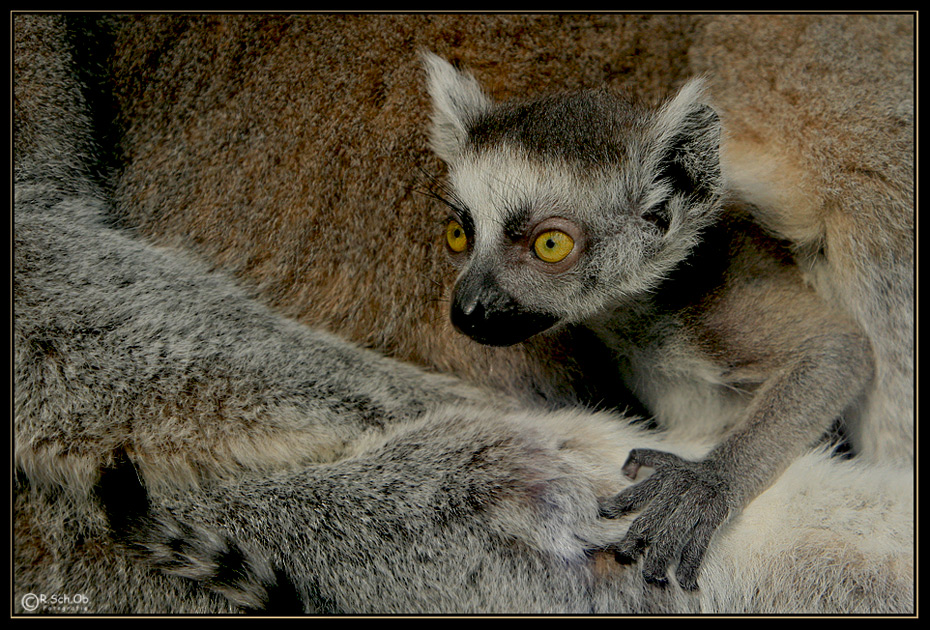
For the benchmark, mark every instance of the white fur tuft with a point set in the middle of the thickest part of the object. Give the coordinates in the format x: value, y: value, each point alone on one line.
x: 457, y: 97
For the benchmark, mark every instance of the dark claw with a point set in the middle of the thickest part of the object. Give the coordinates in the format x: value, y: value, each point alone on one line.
x: 606, y: 509
x: 628, y: 550
x: 660, y: 582
x: 689, y: 583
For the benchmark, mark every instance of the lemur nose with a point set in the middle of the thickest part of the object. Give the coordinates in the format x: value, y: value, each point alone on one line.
x: 489, y: 315
x: 468, y: 314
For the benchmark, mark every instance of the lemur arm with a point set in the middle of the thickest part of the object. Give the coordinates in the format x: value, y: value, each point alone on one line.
x: 810, y: 365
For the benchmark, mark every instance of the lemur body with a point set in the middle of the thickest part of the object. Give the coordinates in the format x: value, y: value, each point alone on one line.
x: 590, y: 209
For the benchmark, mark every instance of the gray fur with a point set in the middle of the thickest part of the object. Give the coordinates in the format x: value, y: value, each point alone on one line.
x: 349, y: 481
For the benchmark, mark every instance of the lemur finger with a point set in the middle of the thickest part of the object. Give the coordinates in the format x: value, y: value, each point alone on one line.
x: 652, y: 522
x: 674, y: 530
x: 639, y: 457
x: 633, y: 543
x: 692, y: 556
x: 657, y: 560
x: 629, y: 500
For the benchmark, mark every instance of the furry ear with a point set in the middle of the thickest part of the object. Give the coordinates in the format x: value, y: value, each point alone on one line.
x: 457, y: 100
x: 687, y: 143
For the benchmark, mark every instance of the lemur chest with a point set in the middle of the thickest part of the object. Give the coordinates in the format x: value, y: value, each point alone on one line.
x: 682, y: 387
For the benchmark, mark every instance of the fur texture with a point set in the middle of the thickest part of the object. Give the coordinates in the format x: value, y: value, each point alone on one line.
x: 182, y: 447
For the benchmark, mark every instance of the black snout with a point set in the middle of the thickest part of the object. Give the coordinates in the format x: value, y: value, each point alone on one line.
x: 481, y: 310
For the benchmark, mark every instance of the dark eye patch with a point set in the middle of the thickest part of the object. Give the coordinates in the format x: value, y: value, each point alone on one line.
x: 463, y: 216
x: 516, y: 223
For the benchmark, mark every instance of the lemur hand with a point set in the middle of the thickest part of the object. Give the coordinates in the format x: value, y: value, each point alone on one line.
x: 684, y: 503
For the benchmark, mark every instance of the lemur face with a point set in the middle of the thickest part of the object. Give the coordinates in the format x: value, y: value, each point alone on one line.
x: 562, y: 208
x: 530, y: 238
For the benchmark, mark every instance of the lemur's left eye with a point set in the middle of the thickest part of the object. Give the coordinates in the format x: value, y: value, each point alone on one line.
x: 455, y: 237
x: 553, y: 246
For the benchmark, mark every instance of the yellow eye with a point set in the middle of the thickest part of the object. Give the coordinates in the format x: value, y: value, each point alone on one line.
x: 455, y: 237
x: 553, y: 246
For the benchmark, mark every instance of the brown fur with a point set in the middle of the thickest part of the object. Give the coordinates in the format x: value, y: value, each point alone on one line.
x: 291, y: 154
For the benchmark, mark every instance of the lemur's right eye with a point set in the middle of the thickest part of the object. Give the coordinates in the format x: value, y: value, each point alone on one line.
x: 553, y: 246
x: 455, y: 237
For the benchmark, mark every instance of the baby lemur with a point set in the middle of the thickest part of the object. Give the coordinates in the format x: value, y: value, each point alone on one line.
x: 589, y: 208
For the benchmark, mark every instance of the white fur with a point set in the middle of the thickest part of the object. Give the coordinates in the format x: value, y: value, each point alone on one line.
x: 457, y: 97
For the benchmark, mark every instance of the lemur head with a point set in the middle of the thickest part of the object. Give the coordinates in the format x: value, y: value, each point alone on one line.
x: 566, y: 206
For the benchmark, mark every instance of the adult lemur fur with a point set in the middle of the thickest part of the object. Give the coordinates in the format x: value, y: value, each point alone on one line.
x: 587, y: 208
x: 180, y: 447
